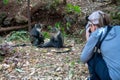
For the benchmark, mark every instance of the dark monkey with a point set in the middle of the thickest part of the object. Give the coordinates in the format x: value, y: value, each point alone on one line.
x: 56, y: 39
x: 36, y: 36
x: 37, y: 39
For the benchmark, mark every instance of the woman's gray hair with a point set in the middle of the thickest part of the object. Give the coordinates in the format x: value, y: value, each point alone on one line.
x: 99, y: 18
x: 104, y: 20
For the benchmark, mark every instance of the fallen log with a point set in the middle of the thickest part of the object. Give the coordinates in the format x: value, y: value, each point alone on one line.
x: 12, y: 28
x: 15, y: 27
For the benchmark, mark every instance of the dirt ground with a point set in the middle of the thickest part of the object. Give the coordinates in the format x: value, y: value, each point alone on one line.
x: 31, y: 63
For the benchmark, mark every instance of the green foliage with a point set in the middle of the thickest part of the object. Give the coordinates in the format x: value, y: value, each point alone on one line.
x: 73, y: 8
x: 72, y: 64
x: 56, y: 2
x: 5, y: 1
x: 115, y: 15
x: 1, y: 40
x: 46, y: 34
x: 1, y: 58
x: 18, y: 35
x: 58, y: 25
x: 49, y: 27
x: 19, y: 70
x: 67, y: 59
x: 68, y: 25
x: 71, y: 71
x: 81, y: 31
x: 52, y: 4
x: 118, y: 1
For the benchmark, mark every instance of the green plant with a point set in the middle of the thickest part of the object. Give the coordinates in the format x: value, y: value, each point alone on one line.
x: 72, y: 64
x: 68, y: 25
x: 1, y: 40
x: 56, y: 2
x: 58, y: 25
x: 5, y: 1
x: 46, y: 34
x: 81, y: 31
x: 71, y: 71
x: 49, y: 27
x: 52, y: 4
x: 116, y: 13
x: 63, y: 31
x: 61, y: 27
x: 1, y: 58
x: 18, y: 35
x: 72, y: 8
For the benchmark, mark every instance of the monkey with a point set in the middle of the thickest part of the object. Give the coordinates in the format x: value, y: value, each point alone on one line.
x: 36, y: 36
x: 56, y: 39
x: 37, y: 39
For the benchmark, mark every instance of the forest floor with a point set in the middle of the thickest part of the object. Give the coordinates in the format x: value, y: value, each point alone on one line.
x: 31, y: 63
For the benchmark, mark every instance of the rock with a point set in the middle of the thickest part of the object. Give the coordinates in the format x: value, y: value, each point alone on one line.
x: 20, y: 19
x: 8, y: 21
x: 6, y: 66
x: 58, y: 69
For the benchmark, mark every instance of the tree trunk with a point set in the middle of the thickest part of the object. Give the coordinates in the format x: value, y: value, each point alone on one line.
x: 29, y: 16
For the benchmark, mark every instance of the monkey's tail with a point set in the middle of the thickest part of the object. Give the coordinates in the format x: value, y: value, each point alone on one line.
x: 22, y: 45
x: 65, y: 49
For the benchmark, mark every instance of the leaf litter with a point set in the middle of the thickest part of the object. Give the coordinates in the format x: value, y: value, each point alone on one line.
x: 31, y: 63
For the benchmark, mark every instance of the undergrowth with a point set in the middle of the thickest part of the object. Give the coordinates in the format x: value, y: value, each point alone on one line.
x: 22, y: 36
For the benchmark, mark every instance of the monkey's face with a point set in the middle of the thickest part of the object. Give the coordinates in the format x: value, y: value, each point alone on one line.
x: 38, y: 29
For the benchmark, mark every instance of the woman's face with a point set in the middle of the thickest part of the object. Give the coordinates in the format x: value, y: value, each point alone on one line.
x: 93, y: 27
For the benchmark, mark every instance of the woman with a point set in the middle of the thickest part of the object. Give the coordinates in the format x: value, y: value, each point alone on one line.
x: 104, y: 66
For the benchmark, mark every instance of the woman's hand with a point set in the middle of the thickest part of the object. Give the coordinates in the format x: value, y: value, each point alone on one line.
x: 89, y: 30
x: 93, y: 27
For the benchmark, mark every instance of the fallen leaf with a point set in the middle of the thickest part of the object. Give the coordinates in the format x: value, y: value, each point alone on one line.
x: 19, y: 70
